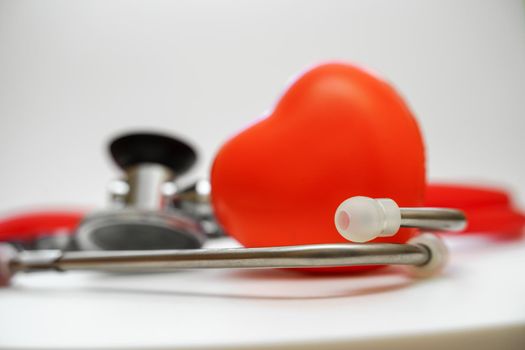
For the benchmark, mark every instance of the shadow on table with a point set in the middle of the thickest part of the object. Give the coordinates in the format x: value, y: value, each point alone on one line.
x: 251, y: 285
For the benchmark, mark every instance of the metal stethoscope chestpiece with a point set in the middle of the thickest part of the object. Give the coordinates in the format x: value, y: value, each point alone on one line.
x: 143, y: 216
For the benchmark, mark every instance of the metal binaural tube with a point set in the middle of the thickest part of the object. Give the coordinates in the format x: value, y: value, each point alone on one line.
x: 437, y: 219
x: 325, y: 255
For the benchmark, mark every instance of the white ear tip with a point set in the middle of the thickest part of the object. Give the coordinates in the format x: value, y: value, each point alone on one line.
x: 361, y: 219
x: 438, y: 255
x: 356, y: 219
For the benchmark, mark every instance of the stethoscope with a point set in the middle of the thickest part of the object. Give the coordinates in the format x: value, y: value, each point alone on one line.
x: 152, y: 226
x: 426, y: 254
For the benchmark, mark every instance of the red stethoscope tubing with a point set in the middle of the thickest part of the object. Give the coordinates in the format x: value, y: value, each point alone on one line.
x: 26, y: 227
x: 488, y: 210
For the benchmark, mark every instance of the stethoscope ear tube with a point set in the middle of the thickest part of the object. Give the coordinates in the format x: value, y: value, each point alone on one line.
x: 426, y: 256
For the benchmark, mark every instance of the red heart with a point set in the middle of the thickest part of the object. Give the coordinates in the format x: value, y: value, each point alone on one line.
x: 339, y: 131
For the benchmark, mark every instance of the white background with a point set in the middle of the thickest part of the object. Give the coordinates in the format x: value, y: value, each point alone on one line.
x: 73, y: 73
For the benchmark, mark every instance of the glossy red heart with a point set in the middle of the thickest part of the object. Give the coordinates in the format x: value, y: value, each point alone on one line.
x: 338, y: 131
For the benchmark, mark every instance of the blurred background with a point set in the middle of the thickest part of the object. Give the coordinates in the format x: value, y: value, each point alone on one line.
x: 74, y: 73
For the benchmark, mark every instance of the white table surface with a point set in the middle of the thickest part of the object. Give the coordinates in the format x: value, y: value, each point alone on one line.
x: 479, y: 301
